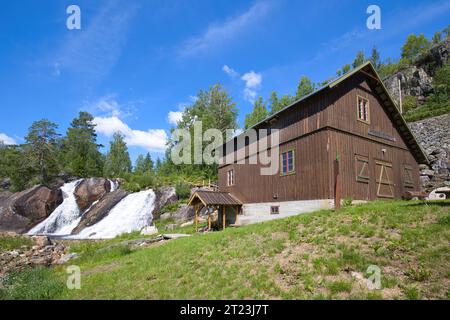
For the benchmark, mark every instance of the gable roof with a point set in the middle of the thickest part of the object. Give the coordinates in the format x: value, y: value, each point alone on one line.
x: 210, y: 198
x: 368, y: 69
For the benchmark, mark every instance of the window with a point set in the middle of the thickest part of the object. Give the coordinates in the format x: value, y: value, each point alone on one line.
x: 230, y: 177
x: 408, y: 180
x: 274, y: 210
x: 362, y: 169
x: 287, y: 162
x: 363, y: 110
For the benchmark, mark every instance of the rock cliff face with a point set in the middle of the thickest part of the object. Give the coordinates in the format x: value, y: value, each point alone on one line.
x: 416, y: 80
x: 91, y: 190
x: 21, y: 211
x: 434, y: 136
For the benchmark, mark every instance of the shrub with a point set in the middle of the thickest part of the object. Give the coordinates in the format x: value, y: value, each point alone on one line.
x: 183, y: 190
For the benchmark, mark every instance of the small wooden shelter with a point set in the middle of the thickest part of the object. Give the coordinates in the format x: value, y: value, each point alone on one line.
x: 227, y: 206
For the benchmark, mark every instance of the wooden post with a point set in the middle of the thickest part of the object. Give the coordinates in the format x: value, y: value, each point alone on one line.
x: 337, y: 185
x: 196, y: 218
x: 209, y: 221
x: 223, y: 217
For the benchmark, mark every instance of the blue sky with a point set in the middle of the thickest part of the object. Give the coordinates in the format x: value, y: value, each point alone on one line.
x: 136, y: 63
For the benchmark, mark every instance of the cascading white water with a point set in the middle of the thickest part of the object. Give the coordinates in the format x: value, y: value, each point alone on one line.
x: 65, y: 217
x: 131, y: 214
x: 114, y: 185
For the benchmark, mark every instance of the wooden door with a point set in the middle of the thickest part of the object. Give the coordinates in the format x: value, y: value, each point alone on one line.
x: 384, y: 178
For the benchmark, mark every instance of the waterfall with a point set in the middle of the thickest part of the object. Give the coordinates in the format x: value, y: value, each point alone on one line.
x: 114, y: 185
x: 131, y: 214
x: 65, y: 217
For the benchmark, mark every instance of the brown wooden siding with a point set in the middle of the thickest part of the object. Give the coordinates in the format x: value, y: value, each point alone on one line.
x: 347, y: 146
x: 318, y: 129
x: 310, y: 180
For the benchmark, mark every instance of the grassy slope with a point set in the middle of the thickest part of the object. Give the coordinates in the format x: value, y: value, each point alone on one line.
x: 307, y: 256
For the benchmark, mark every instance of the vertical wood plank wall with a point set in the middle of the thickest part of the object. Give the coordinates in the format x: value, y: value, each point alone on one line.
x: 318, y: 129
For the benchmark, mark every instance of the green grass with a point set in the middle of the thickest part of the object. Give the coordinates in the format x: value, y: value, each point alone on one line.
x: 309, y: 256
x: 8, y: 243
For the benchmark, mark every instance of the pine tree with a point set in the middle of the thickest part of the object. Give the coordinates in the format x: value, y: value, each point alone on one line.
x: 117, y: 161
x: 258, y: 114
x: 375, y: 58
x: 82, y: 156
x: 144, y: 164
x: 359, y: 59
x: 305, y: 87
x: 41, y: 148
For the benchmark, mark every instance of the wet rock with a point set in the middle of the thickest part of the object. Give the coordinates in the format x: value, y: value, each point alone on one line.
x: 91, y: 190
x: 100, y: 210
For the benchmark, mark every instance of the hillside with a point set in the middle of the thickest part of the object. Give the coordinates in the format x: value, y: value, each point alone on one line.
x: 320, y: 255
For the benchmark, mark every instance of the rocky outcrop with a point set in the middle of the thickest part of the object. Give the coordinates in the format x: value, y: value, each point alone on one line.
x: 21, y: 211
x: 416, y: 80
x: 433, y: 135
x: 91, y: 190
x: 100, y: 209
x: 164, y: 196
x: 43, y: 253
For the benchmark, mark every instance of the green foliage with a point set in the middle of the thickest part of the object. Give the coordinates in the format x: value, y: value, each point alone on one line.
x: 437, y: 37
x: 135, y: 182
x: 32, y: 284
x: 437, y: 103
x: 41, y: 148
x: 14, y: 164
x: 258, y: 114
x: 359, y: 59
x: 348, y: 201
x: 305, y: 87
x: 117, y: 162
x: 409, y: 104
x: 144, y: 164
x: 414, y: 46
x: 183, y: 190
x: 11, y: 243
x: 82, y: 156
x: 169, y: 208
x: 375, y: 58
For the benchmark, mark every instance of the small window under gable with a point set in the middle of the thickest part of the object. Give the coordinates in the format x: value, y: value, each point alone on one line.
x: 363, y: 110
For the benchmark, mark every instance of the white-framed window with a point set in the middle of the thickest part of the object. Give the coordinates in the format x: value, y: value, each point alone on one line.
x: 363, y: 110
x: 230, y: 177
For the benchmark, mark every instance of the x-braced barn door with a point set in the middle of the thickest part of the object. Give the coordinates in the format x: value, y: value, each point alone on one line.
x: 384, y: 179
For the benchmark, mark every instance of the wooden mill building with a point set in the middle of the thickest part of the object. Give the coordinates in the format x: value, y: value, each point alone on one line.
x: 347, y: 137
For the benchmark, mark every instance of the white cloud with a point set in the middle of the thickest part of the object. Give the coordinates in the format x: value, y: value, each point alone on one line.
x: 230, y: 71
x: 151, y: 140
x: 253, y: 82
x: 6, y: 139
x: 252, y: 79
x: 174, y: 117
x: 217, y: 35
